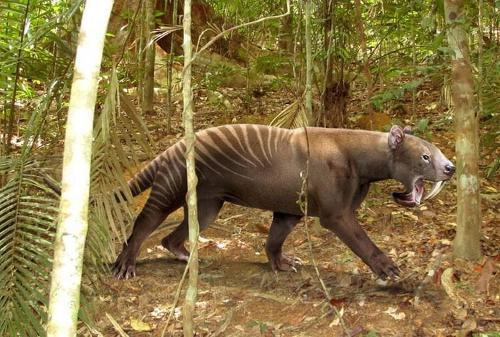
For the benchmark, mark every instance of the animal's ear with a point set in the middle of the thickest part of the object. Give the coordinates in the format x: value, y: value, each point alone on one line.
x: 407, y: 130
x: 396, y: 137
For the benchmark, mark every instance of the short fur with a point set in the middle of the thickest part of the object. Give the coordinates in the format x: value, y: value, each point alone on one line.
x: 259, y: 166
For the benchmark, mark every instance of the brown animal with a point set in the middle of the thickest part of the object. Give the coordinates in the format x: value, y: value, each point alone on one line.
x: 260, y: 166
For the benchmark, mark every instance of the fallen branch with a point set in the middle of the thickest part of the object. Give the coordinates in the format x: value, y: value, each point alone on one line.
x: 117, y: 326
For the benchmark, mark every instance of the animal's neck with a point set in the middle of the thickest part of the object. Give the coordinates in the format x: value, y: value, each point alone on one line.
x: 372, y: 157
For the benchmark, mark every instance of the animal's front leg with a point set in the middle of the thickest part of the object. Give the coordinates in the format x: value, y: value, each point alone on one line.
x: 147, y: 221
x: 352, y: 234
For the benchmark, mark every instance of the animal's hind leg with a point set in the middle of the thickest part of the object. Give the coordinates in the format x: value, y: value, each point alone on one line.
x: 147, y: 221
x: 174, y: 242
x: 281, y: 226
x: 208, y: 209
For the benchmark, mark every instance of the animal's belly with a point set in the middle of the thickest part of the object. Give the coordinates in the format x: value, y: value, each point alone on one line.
x: 275, y: 187
x: 272, y: 193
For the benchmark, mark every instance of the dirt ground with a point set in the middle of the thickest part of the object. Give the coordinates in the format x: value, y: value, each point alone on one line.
x: 239, y: 295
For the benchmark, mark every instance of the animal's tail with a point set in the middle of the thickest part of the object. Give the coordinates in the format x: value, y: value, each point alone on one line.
x: 139, y: 183
x: 144, y: 179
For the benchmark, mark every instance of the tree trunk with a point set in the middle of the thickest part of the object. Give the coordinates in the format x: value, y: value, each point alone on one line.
x: 64, y: 300
x: 170, y: 65
x: 309, y: 70
x: 480, y: 56
x: 191, y: 199
x: 149, y: 59
x: 141, y: 60
x: 328, y: 47
x: 366, y: 65
x: 8, y: 132
x: 335, y: 93
x: 466, y: 244
x: 336, y: 98
x: 286, y: 32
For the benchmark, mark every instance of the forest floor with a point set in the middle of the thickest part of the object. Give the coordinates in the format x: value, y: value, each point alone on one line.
x: 239, y: 295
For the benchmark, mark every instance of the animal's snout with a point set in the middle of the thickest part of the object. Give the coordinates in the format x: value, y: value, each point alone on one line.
x: 449, y: 169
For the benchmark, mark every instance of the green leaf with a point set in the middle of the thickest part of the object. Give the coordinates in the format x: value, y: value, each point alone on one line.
x: 422, y: 125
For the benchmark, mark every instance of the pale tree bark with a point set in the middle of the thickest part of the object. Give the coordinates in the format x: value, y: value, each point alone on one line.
x: 466, y: 244
x: 149, y: 59
x: 191, y: 199
x: 64, y: 300
x: 309, y: 65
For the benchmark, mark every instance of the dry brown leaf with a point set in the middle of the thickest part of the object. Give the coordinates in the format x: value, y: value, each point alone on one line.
x: 139, y: 325
x: 483, y: 283
x: 338, y: 302
x: 264, y: 229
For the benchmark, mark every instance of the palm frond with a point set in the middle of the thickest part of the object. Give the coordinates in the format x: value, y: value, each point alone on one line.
x: 28, y: 211
x: 28, y: 208
x: 118, y: 138
x: 293, y: 116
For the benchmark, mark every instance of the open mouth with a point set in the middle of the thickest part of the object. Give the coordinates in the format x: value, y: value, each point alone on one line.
x: 414, y: 197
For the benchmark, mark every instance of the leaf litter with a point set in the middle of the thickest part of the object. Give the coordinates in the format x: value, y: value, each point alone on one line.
x: 240, y: 296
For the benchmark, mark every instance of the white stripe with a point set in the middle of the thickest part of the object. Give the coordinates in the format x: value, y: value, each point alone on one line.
x: 261, y: 143
x: 209, y: 155
x: 269, y: 142
x: 161, y: 174
x: 228, y: 143
x: 219, y: 150
x: 248, y: 147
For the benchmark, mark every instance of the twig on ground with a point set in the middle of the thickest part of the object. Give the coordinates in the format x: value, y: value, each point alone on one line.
x: 224, y: 325
x: 117, y: 326
x: 177, y: 295
x: 431, y: 270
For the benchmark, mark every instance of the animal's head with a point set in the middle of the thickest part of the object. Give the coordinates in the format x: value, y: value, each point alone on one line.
x: 415, y: 160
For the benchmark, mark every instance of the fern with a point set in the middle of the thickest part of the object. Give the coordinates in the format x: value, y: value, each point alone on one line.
x: 28, y: 210
x: 115, y: 136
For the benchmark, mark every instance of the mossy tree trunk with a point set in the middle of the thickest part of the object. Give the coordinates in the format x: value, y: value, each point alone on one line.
x: 466, y: 244
x: 64, y: 299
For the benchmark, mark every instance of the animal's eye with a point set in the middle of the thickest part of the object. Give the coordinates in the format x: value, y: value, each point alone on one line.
x: 426, y: 157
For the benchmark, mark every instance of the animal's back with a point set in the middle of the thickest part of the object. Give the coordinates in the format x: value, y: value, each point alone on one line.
x: 250, y: 165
